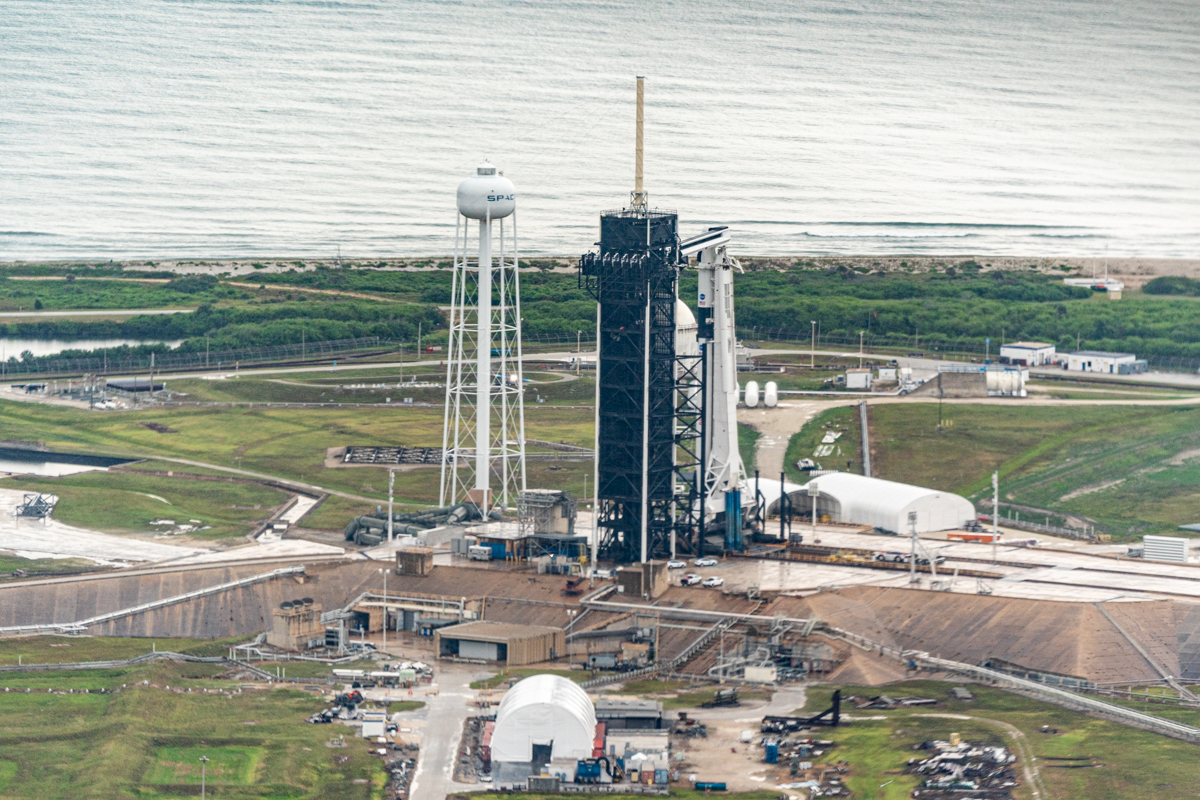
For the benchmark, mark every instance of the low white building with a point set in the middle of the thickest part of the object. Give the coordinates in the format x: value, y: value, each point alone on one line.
x: 544, y: 718
x: 1107, y: 363
x: 858, y: 378
x: 884, y: 504
x: 1027, y: 354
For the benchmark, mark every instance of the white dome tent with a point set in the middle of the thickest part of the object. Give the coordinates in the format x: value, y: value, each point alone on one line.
x: 546, y: 710
x: 887, y: 504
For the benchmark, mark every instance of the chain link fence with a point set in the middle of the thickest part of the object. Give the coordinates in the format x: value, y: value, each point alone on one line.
x: 104, y: 363
x: 932, y: 347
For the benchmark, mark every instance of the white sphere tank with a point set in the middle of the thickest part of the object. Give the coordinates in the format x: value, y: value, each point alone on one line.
x: 486, y: 194
x: 771, y: 395
x: 752, y: 394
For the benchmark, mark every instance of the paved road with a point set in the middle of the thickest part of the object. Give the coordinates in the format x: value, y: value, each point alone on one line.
x: 443, y: 733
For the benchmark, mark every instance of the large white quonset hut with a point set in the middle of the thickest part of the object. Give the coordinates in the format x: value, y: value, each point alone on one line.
x: 886, y: 504
x: 546, y: 710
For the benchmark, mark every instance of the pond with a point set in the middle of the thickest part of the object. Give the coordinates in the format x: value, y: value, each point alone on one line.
x: 13, y: 348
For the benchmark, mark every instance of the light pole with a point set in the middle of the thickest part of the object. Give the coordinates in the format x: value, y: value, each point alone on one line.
x: 995, y: 511
x: 812, y: 352
x: 578, y: 350
x: 860, y: 349
x: 391, y: 493
x: 813, y: 493
x: 203, y: 775
x: 385, y: 573
x: 912, y: 558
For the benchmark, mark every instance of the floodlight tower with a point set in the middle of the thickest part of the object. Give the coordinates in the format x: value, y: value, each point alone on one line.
x: 724, y: 472
x: 484, y: 425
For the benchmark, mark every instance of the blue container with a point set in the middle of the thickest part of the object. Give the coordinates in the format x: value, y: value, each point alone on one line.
x: 710, y: 787
x: 772, y: 752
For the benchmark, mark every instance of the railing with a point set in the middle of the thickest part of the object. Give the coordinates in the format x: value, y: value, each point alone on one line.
x: 84, y: 624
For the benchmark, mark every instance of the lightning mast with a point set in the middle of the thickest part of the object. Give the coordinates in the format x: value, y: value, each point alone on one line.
x: 484, y: 426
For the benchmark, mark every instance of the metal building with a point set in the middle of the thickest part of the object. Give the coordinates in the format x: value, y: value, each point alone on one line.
x: 515, y: 645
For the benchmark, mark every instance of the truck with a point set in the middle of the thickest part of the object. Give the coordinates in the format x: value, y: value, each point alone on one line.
x: 479, y: 552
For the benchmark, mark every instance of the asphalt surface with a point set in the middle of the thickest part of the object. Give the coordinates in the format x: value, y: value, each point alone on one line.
x: 447, y: 711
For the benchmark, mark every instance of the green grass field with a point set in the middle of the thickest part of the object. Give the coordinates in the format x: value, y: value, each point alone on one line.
x: 140, y: 731
x: 64, y: 649
x: 1136, y: 763
x: 123, y: 503
x: 226, y: 765
x: 848, y: 448
x: 1129, y: 470
x: 282, y: 442
x: 144, y: 741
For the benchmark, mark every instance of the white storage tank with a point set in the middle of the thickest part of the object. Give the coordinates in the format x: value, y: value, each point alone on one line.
x: 751, y: 394
x: 771, y: 394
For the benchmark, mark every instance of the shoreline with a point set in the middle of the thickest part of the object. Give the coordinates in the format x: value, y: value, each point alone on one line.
x: 1133, y: 271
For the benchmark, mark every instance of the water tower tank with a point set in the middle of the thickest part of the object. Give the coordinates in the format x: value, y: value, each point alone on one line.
x: 751, y: 394
x: 486, y: 194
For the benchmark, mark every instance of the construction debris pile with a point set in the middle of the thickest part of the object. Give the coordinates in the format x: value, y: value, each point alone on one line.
x: 371, y: 529
x: 958, y: 767
x: 402, y: 771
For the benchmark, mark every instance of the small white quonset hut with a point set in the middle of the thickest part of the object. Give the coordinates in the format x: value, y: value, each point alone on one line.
x: 544, y: 710
x: 886, y: 504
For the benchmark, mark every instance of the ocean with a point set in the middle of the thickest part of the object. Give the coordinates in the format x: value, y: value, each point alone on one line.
x: 270, y: 128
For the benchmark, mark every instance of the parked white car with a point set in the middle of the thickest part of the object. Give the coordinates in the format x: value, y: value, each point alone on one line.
x: 713, y: 583
x: 676, y: 564
x: 691, y: 579
x: 705, y: 562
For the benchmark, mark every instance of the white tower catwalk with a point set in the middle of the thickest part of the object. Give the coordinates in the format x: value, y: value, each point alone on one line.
x: 724, y: 473
x: 485, y: 411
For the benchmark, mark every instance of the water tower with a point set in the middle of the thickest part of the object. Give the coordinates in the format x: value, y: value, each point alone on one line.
x: 484, y: 431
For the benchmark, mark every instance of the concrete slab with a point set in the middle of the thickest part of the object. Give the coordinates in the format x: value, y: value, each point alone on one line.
x: 30, y: 538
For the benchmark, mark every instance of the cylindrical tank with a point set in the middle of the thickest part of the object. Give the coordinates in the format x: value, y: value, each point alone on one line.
x: 771, y: 394
x: 486, y: 194
x: 751, y: 394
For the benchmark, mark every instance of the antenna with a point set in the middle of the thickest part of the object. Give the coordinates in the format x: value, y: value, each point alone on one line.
x: 638, y: 200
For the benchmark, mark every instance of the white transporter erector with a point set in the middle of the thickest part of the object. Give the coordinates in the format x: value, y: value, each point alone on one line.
x: 725, y: 475
x: 484, y: 429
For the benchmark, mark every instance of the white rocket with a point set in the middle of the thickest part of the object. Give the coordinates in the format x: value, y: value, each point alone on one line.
x: 724, y: 472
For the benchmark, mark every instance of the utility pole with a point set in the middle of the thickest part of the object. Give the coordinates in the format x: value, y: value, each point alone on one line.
x: 578, y: 351
x: 812, y: 352
x: 813, y: 493
x: 987, y: 350
x: 203, y: 776
x: 995, y: 511
x: 205, y: 352
x: 419, y: 340
x: 385, y: 573
x: 391, y: 489
x: 860, y: 349
x: 912, y: 558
